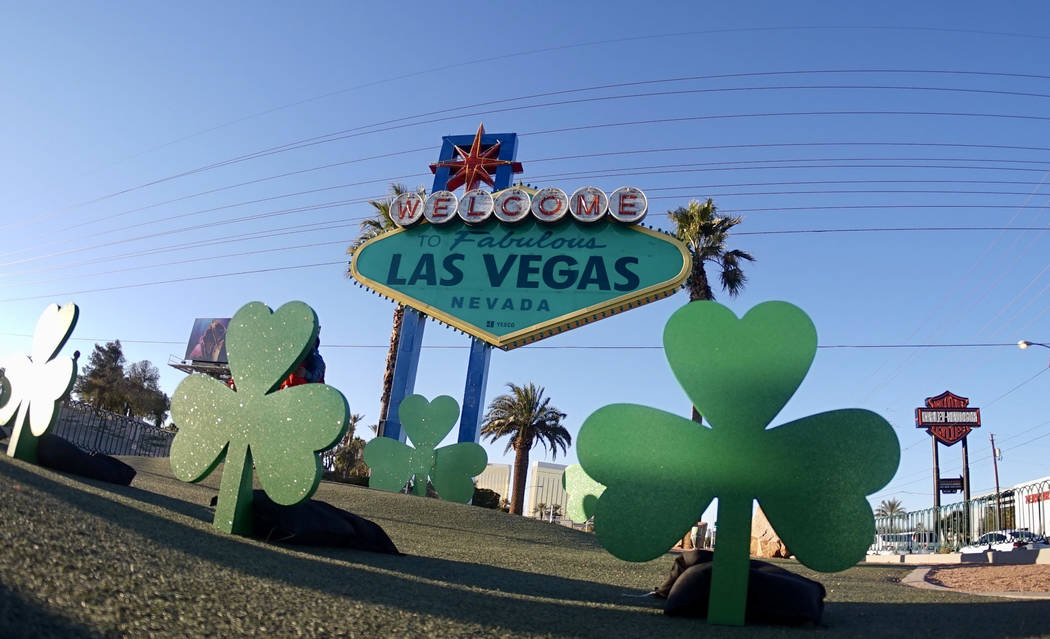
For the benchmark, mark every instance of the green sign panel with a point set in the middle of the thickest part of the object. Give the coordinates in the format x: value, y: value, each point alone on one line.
x: 512, y: 284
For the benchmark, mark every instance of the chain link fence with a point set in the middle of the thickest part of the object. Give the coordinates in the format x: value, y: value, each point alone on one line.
x: 101, y: 431
x: 946, y: 529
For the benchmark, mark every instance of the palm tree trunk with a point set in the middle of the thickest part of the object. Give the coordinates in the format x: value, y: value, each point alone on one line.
x: 521, y: 469
x: 699, y: 287
x: 391, y: 361
x: 699, y: 290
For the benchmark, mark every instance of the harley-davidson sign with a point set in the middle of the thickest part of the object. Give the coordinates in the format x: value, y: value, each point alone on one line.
x: 947, y: 417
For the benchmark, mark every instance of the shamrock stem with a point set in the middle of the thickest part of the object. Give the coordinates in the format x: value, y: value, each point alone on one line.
x: 23, y: 443
x: 233, y: 512
x: 727, y: 604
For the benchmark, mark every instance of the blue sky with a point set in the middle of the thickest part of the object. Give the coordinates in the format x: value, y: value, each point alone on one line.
x: 119, y: 123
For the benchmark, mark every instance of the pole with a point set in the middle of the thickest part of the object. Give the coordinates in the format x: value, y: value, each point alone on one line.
x: 936, y: 493
x: 474, y: 391
x: 998, y: 500
x: 408, y: 349
x: 966, y: 490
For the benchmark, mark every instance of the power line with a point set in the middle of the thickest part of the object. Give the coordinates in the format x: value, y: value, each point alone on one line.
x: 774, y: 114
x: 284, y: 231
x: 600, y: 175
x: 576, y: 156
x: 1030, y: 379
x: 378, y: 128
x: 297, y: 229
x: 318, y: 206
x: 585, y: 347
x: 140, y: 267
x: 172, y: 281
x: 12, y: 262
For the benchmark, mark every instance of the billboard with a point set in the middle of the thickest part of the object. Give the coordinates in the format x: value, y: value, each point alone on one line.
x: 208, y: 340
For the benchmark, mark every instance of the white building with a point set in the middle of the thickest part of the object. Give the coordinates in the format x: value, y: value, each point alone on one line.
x: 544, y: 487
x: 495, y: 477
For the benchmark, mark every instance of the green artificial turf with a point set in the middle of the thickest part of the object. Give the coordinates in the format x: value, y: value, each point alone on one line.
x: 85, y: 559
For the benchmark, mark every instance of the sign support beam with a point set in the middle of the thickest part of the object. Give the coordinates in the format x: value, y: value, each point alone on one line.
x: 474, y: 392
x: 936, y: 492
x: 408, y: 350
x: 405, y: 368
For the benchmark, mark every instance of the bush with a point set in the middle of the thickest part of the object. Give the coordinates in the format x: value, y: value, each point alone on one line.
x: 356, y: 480
x: 485, y: 498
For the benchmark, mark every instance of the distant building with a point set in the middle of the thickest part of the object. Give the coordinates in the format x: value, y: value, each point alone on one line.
x: 495, y: 477
x: 544, y: 487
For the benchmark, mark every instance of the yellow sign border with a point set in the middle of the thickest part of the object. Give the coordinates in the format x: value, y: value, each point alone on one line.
x: 553, y: 326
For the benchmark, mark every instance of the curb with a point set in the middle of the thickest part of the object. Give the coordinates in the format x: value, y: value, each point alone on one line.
x: 1011, y: 558
x: 917, y: 579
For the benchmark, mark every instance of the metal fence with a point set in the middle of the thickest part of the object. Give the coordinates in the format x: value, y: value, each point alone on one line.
x: 950, y: 527
x: 101, y: 431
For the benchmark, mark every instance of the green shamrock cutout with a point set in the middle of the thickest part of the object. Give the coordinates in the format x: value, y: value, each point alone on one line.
x: 450, y: 468
x: 810, y: 476
x: 279, y: 430
x: 583, y: 493
x: 36, y: 384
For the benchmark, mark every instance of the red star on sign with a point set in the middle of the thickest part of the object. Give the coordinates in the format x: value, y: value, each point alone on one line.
x: 475, y: 166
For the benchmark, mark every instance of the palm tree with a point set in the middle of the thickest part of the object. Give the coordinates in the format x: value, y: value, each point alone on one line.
x: 345, y: 457
x: 543, y: 510
x: 891, y: 509
x: 528, y: 418
x: 380, y: 223
x: 706, y: 234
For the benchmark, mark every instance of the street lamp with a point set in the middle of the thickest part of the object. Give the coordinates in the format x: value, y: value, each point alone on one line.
x: 1023, y: 344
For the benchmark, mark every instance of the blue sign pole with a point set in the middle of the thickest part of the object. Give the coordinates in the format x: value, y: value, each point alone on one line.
x: 480, y: 352
x: 409, y: 347
x: 474, y: 392
x: 405, y: 368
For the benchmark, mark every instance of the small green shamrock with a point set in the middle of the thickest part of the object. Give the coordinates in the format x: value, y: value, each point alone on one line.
x: 280, y: 430
x: 810, y: 476
x: 37, y: 384
x: 583, y: 493
x: 450, y: 468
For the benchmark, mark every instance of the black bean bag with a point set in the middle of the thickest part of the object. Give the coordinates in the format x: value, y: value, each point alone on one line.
x: 316, y: 523
x: 774, y: 595
x: 59, y: 454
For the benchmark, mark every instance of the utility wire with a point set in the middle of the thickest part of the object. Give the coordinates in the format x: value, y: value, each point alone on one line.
x: 554, y: 347
x: 174, y: 281
x: 361, y: 130
x: 634, y: 173
x: 349, y: 222
x: 559, y: 158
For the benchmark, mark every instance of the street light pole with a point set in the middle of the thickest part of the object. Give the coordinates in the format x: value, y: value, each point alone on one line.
x: 998, y: 501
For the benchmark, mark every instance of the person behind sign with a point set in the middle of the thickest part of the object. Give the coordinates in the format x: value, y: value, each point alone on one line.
x: 310, y: 371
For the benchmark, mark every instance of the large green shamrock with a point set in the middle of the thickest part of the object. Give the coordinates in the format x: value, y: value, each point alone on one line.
x: 280, y: 430
x: 37, y: 384
x: 810, y: 476
x: 450, y: 468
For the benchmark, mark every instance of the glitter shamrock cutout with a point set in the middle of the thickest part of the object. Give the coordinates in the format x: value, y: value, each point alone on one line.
x: 583, y: 493
x: 37, y: 384
x: 810, y: 476
x: 281, y: 431
x: 451, y: 468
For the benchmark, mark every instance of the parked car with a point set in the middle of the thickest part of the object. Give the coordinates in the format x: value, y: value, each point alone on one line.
x: 1004, y: 540
x: 899, y: 543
